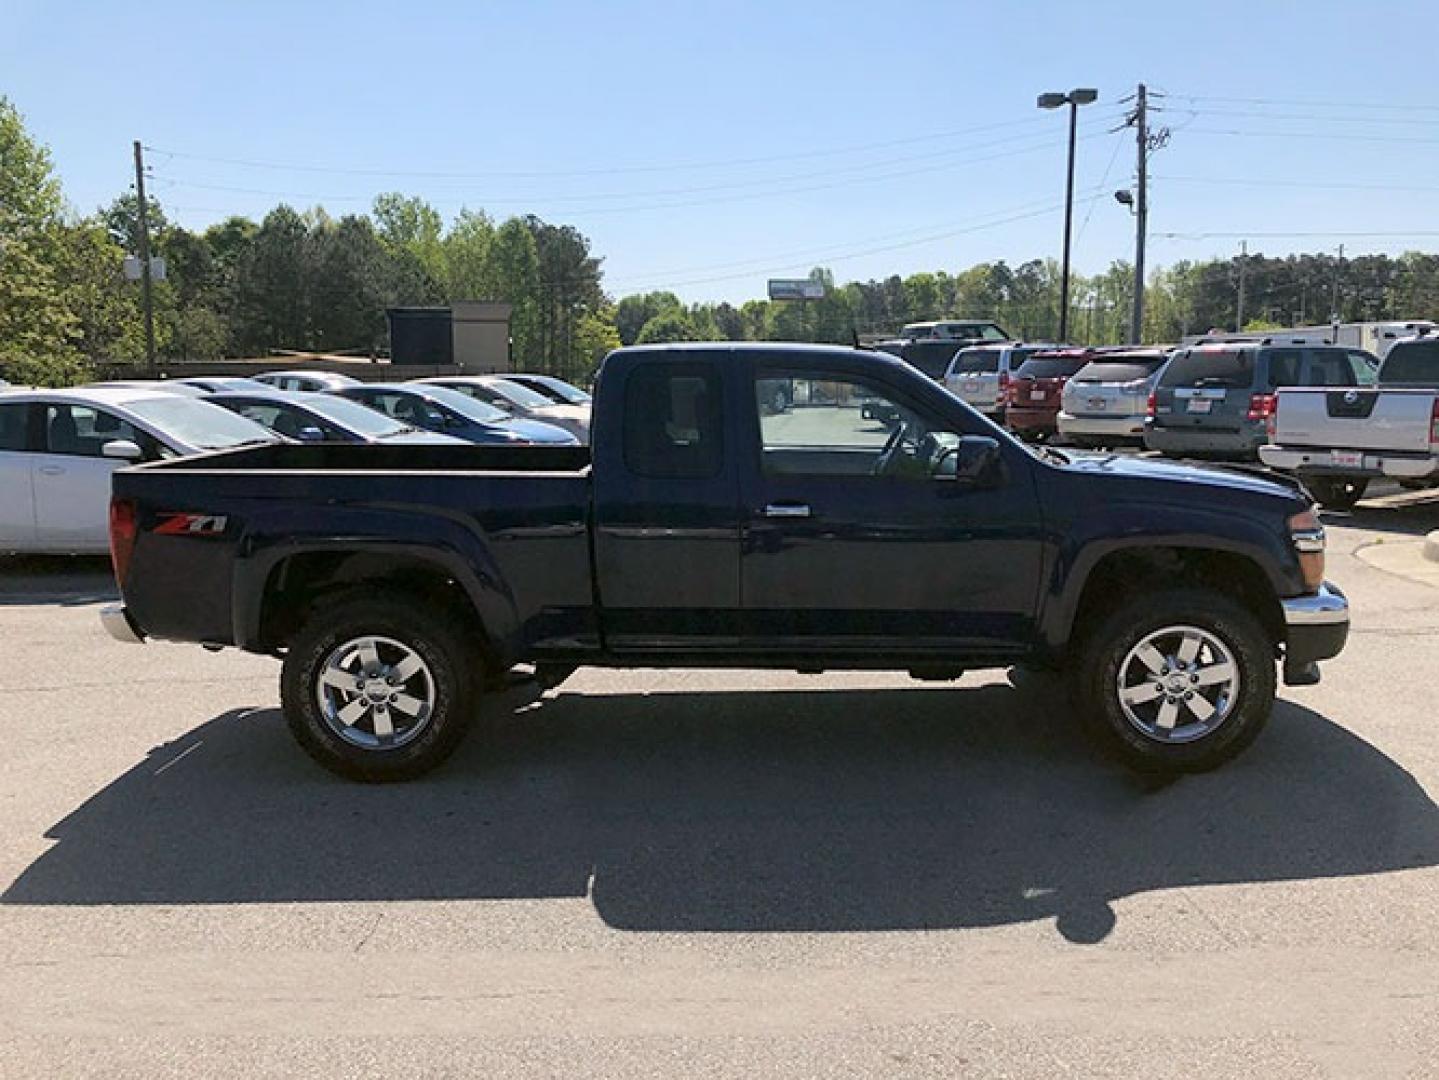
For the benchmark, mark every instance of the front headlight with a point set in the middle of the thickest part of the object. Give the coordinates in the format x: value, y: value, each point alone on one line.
x: 1307, y: 533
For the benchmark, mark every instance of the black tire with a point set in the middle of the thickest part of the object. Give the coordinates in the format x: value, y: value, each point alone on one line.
x: 1101, y: 653
x: 1336, y: 492
x: 451, y: 680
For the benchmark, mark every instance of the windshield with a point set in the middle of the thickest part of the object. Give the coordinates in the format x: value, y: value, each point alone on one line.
x: 1115, y: 371
x: 1232, y: 368
x: 466, y: 406
x: 353, y: 415
x: 982, y: 330
x: 976, y: 362
x: 197, y: 423
x: 1411, y: 363
x: 1056, y: 367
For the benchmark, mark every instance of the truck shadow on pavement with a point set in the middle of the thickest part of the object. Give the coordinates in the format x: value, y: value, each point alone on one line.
x: 743, y: 811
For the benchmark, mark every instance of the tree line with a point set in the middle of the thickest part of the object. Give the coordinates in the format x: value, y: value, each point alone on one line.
x: 304, y: 280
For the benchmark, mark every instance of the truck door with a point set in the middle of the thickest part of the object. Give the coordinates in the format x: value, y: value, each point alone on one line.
x: 853, y: 543
x: 666, y: 505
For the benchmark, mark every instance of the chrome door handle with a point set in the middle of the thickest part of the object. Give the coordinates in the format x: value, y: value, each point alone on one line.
x: 786, y: 510
x: 52, y: 470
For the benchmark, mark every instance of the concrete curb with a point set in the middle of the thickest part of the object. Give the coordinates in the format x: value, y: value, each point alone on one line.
x: 1412, y: 559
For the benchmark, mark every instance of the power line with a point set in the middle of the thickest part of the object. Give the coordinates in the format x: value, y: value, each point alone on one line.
x: 901, y: 174
x: 1302, y: 103
x: 1299, y: 184
x: 1251, y: 235
x: 932, y: 238
x: 612, y: 171
x: 1335, y: 136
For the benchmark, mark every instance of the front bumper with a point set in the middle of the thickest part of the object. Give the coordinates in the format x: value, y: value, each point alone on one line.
x: 118, y: 624
x: 1316, y: 627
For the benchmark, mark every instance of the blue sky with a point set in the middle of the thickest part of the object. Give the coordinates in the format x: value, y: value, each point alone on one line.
x: 706, y: 147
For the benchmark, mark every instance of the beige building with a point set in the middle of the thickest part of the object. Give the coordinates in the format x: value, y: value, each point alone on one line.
x: 480, y: 330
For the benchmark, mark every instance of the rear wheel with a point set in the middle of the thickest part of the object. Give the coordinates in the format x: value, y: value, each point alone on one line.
x: 1176, y: 681
x: 378, y: 688
x: 1337, y: 492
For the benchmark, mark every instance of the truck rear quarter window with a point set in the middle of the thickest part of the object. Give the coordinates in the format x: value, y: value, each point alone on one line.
x: 1414, y: 363
x: 674, y: 421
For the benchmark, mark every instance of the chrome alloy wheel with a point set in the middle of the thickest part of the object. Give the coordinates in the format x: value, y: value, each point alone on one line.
x: 375, y: 693
x: 1178, y: 684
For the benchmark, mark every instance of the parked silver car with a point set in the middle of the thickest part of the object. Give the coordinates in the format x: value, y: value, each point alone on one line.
x: 1106, y: 402
x: 979, y: 375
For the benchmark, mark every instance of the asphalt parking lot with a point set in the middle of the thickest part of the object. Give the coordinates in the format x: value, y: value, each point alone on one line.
x: 715, y: 873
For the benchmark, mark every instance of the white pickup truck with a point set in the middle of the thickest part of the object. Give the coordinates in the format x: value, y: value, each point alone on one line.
x: 1337, y: 440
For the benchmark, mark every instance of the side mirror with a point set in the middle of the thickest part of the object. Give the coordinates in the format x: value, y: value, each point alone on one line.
x: 975, y: 462
x: 311, y: 434
x: 122, y: 449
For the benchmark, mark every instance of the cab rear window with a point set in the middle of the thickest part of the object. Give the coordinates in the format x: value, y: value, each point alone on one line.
x: 1229, y: 368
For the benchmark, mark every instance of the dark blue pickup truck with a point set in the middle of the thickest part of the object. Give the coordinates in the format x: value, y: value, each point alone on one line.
x: 770, y: 506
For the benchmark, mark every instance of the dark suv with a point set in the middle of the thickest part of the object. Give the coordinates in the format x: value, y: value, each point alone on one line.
x: 1216, y: 399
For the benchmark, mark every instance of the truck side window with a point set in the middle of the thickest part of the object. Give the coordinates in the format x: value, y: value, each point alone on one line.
x: 14, y: 422
x: 1364, y: 368
x: 1283, y: 368
x: 674, y: 421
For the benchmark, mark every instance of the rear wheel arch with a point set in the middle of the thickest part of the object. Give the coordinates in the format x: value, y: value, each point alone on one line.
x: 300, y: 582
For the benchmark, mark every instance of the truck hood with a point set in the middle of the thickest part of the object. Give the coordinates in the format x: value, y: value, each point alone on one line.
x: 1211, y: 477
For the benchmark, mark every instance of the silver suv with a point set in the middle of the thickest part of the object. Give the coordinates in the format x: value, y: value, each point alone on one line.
x: 1106, y: 402
x: 979, y: 375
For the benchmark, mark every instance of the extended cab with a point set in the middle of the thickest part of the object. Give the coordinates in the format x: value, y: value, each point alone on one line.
x: 1337, y: 440
x: 760, y: 506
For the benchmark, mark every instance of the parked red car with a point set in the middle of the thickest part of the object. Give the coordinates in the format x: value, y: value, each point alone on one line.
x: 1032, y: 407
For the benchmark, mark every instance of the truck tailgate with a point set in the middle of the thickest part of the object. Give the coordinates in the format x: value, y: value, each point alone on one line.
x: 1354, y: 419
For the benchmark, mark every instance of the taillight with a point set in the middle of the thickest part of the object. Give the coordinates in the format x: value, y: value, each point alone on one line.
x: 123, y: 527
x: 1153, y: 406
x: 1004, y: 386
x: 1434, y: 424
x: 1271, y: 422
x: 1260, y: 406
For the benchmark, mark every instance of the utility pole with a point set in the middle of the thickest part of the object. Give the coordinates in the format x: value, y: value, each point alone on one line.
x: 1141, y: 213
x: 1334, y: 301
x: 1243, y: 258
x: 146, y: 285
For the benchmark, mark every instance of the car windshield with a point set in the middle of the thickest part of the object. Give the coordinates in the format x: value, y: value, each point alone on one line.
x: 1118, y: 371
x: 198, y: 423
x: 1412, y: 363
x: 1230, y: 368
x: 982, y: 331
x: 358, y: 418
x: 1050, y: 367
x: 466, y: 406
x: 520, y: 395
x: 976, y: 362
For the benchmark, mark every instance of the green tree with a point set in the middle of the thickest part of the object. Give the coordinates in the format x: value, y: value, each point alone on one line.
x: 345, y: 264
x: 515, y: 269
x: 669, y: 326
x: 37, y: 324
x: 634, y: 311
x: 272, y: 300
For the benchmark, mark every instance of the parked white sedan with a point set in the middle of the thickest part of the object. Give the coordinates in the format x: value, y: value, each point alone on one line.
x: 59, y: 447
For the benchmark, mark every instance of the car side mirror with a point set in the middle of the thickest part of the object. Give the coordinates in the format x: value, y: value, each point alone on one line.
x: 311, y: 434
x: 974, y: 462
x: 122, y: 450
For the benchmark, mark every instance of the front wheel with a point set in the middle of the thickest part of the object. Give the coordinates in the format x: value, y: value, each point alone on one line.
x: 1337, y: 492
x: 1176, y: 681
x: 376, y: 687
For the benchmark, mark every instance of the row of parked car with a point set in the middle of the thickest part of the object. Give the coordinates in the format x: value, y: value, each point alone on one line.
x: 1351, y: 419
x: 58, y: 448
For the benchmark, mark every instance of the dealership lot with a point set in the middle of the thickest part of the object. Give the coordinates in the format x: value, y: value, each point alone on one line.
x: 807, y: 875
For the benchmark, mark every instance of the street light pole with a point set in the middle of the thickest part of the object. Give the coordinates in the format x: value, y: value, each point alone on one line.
x: 1074, y: 99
